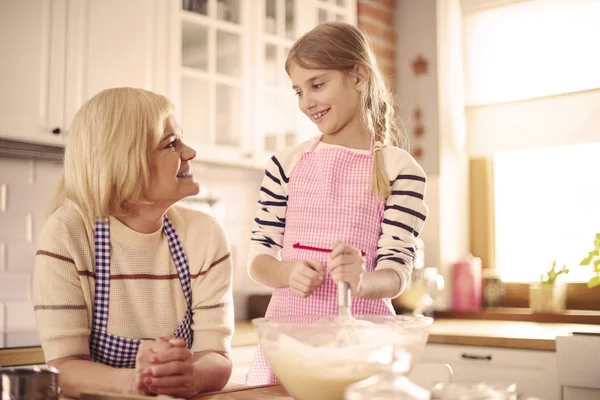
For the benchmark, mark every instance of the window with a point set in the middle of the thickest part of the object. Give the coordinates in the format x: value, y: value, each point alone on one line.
x: 547, y: 206
x: 533, y: 107
x: 532, y: 49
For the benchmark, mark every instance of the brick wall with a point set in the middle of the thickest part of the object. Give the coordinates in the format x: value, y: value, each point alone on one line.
x: 377, y: 18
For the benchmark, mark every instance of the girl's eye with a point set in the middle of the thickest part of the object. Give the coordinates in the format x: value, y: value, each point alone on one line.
x: 299, y: 94
x: 318, y: 85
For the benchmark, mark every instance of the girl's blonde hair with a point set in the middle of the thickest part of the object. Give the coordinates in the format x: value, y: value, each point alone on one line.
x: 341, y: 46
x: 106, y: 165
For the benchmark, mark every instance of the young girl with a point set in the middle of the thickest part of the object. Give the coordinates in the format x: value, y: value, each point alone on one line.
x: 346, y: 206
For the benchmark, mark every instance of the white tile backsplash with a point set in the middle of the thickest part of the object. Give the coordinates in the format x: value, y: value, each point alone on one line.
x: 15, y: 170
x: 2, y: 257
x: 2, y: 319
x: 19, y: 316
x: 28, y: 189
x: 12, y: 227
x: 15, y: 286
x: 21, y: 256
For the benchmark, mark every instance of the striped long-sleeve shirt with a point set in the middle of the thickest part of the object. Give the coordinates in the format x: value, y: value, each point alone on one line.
x: 404, y: 215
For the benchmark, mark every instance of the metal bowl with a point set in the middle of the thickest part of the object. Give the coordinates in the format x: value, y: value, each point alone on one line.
x: 31, y: 383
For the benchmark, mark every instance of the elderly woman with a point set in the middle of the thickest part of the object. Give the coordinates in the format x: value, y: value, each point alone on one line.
x: 132, y: 293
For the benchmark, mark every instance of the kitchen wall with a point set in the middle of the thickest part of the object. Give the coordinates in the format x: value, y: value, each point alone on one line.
x: 432, y: 30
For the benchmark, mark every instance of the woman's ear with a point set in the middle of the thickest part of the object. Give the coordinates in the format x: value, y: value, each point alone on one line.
x: 360, y: 76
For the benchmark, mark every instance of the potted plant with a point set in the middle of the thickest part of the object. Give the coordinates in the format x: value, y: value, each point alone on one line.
x: 593, y: 257
x: 549, y: 294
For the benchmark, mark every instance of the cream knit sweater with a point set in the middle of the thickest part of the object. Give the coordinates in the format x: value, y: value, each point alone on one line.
x: 146, y: 298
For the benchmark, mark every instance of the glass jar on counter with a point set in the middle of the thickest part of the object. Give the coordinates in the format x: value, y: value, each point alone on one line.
x: 493, y: 289
x: 474, y: 391
x: 391, y: 382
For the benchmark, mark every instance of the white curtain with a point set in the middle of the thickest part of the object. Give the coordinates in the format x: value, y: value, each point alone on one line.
x: 532, y: 74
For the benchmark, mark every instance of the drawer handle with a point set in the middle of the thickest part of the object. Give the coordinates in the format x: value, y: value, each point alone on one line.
x: 476, y: 357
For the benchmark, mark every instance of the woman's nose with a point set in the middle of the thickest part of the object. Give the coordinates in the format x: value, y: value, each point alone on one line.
x: 187, y: 153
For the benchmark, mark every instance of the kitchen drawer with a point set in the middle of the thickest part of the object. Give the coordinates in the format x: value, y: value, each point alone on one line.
x: 534, y: 372
x: 576, y: 393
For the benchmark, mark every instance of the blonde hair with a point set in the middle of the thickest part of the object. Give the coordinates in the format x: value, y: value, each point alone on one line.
x: 341, y: 46
x: 106, y: 165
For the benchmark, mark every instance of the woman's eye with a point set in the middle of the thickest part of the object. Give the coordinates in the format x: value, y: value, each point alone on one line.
x: 299, y: 94
x: 318, y: 85
x: 171, y: 145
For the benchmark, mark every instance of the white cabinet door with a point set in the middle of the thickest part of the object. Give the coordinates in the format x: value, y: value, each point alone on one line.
x: 534, y: 372
x: 32, y: 70
x: 114, y: 43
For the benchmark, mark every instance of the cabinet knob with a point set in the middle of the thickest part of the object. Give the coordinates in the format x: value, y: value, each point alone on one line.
x: 56, y: 131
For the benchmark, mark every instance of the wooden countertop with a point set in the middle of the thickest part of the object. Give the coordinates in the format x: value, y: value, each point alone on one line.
x: 503, y: 334
x: 266, y: 392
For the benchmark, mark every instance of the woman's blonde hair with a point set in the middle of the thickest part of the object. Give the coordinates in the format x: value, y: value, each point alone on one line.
x: 106, y: 165
x: 341, y: 46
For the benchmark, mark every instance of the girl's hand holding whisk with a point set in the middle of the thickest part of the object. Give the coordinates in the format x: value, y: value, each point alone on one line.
x: 346, y: 263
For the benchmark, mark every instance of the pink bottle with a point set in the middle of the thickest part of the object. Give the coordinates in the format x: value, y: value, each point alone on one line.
x: 466, y: 284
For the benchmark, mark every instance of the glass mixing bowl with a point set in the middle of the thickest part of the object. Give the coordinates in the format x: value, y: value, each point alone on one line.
x: 317, y: 357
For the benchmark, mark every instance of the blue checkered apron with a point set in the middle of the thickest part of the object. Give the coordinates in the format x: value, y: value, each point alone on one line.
x: 118, y: 351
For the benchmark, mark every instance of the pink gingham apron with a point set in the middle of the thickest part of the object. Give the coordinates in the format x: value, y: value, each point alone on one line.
x: 329, y: 198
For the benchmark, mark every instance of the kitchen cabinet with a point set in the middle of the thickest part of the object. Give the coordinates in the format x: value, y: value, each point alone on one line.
x: 32, y: 71
x: 534, y: 372
x: 233, y: 97
x: 59, y: 53
x: 578, y: 362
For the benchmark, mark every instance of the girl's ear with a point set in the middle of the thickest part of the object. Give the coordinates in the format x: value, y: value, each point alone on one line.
x: 360, y: 75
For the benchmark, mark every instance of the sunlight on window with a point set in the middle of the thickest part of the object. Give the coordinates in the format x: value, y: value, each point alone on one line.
x: 547, y: 206
x: 532, y: 49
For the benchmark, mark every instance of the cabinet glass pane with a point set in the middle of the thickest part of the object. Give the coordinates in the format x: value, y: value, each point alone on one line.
x: 284, y: 80
x: 229, y: 53
x: 228, y: 10
x: 290, y: 27
x: 195, y: 97
x: 290, y: 139
x: 340, y: 2
x: 322, y: 18
x: 229, y: 114
x: 197, y: 6
x: 271, y: 143
x: 340, y: 17
x: 271, y: 67
x: 194, y: 46
x: 289, y: 111
x: 272, y: 115
x: 271, y: 17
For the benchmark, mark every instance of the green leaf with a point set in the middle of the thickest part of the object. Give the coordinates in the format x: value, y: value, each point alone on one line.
x: 586, y: 261
x: 595, y: 252
x: 595, y: 281
x: 597, y: 265
x: 597, y: 236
